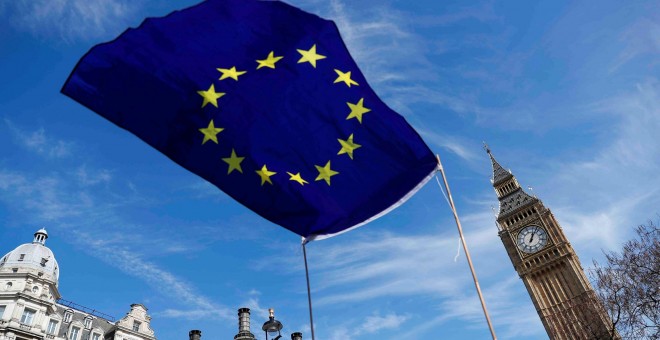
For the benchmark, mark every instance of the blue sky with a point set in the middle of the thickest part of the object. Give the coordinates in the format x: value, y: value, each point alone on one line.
x: 566, y: 93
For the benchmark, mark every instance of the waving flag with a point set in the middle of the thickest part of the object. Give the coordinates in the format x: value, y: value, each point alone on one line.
x: 264, y: 101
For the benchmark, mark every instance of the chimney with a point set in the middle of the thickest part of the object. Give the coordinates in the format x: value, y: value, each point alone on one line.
x: 195, y: 334
x: 296, y: 336
x: 244, y: 325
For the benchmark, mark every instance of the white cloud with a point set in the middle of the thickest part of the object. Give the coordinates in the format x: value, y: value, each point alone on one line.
x: 256, y: 309
x: 602, y: 195
x: 376, y: 323
x: 40, y: 196
x: 392, y: 57
x: 38, y: 142
x: 641, y: 38
x: 167, y: 284
x: 56, y: 198
x: 372, y: 324
x: 98, y: 176
x: 457, y: 145
x: 69, y: 20
x: 380, y: 265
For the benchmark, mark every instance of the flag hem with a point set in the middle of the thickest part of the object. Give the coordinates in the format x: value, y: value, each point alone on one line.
x: 396, y: 204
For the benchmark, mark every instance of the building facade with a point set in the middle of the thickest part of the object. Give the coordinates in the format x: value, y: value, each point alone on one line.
x: 31, y: 306
x: 546, y: 262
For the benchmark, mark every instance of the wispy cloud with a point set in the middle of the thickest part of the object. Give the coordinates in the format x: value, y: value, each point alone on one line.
x: 618, y: 184
x: 88, y: 179
x: 167, y: 284
x: 370, y: 325
x: 392, y: 57
x: 68, y: 20
x: 381, y: 265
x: 458, y: 145
x: 38, y: 142
x: 86, y: 195
x: 641, y: 38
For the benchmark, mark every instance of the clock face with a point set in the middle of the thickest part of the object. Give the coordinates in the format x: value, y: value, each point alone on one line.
x: 532, y: 238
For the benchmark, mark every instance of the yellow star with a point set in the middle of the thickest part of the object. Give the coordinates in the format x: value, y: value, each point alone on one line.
x: 230, y: 73
x: 265, y: 174
x: 210, y: 96
x: 269, y: 61
x: 345, y: 77
x: 347, y: 146
x: 325, y: 172
x: 357, y: 110
x: 310, y: 56
x: 210, y: 133
x: 296, y: 178
x: 234, y: 162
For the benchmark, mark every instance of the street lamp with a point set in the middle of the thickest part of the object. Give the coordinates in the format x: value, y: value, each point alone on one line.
x: 272, y: 326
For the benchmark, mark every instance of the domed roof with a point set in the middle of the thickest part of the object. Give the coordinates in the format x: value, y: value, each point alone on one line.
x: 32, y: 257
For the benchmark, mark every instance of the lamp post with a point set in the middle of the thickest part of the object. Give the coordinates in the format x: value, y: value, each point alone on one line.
x: 272, y: 326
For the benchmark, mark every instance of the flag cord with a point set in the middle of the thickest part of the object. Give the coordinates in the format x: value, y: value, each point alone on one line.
x: 458, y: 245
x: 309, y: 294
x: 467, y: 253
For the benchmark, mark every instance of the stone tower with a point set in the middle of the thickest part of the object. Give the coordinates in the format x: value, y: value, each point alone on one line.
x: 547, y: 264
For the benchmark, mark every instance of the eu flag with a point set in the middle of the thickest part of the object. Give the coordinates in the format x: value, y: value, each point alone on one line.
x: 264, y: 101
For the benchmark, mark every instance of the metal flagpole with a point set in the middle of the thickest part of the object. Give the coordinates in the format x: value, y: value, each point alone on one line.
x: 467, y: 253
x: 309, y: 294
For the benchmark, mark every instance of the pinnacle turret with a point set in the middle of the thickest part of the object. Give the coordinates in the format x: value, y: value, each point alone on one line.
x: 511, y: 196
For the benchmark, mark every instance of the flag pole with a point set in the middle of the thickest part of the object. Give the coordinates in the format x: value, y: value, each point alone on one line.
x: 467, y: 253
x: 309, y: 293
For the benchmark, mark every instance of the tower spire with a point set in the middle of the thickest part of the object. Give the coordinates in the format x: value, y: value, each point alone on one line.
x: 511, y: 196
x: 499, y: 173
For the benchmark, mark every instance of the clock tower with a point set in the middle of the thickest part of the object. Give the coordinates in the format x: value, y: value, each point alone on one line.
x: 547, y: 264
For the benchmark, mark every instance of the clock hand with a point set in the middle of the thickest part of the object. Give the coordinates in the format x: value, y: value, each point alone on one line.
x: 531, y: 238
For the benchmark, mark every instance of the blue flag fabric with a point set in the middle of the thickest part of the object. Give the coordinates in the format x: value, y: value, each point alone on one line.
x: 264, y: 101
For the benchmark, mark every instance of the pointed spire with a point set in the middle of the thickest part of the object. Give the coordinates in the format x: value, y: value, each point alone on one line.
x: 499, y: 173
x: 511, y: 196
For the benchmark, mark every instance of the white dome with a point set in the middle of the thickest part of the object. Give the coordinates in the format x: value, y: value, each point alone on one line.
x: 32, y: 257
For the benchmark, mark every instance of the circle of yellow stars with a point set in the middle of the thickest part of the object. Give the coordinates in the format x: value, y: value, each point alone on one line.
x: 233, y: 161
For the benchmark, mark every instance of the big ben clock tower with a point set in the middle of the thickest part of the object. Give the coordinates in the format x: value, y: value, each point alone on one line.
x: 547, y: 264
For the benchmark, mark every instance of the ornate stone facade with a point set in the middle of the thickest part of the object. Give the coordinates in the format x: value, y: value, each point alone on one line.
x: 31, y: 307
x: 547, y: 263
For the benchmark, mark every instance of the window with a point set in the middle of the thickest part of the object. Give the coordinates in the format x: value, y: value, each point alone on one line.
x: 35, y: 289
x: 88, y: 322
x: 28, y: 315
x: 136, y: 326
x: 52, y: 325
x: 96, y: 336
x: 73, y: 335
x: 2, y: 310
x: 67, y: 316
x: 8, y: 286
x: 21, y: 257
